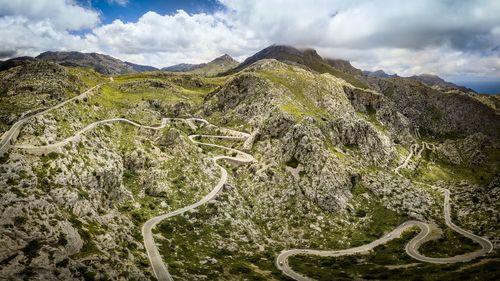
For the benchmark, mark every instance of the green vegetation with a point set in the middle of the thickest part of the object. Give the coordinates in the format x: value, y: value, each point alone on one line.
x: 390, y: 262
x: 432, y: 171
x: 381, y: 219
x: 293, y: 162
x: 89, y: 77
x: 192, y: 240
x: 300, y: 103
x: 450, y: 244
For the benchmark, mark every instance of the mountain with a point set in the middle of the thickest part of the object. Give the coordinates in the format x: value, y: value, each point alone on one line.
x: 344, y: 66
x: 182, y: 67
x: 33, y: 85
x: 10, y: 63
x: 101, y: 63
x: 140, y: 67
x: 438, y: 82
x: 379, y: 74
x: 307, y: 58
x: 221, y: 176
x: 214, y: 67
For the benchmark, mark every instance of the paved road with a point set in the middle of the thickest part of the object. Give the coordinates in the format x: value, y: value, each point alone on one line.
x: 159, y: 268
x: 42, y: 149
x: 413, y: 149
x: 411, y: 247
x: 10, y: 136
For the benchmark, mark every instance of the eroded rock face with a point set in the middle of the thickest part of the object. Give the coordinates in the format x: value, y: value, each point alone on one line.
x: 135, y: 160
x: 246, y: 97
x: 384, y: 111
x: 439, y: 113
x: 402, y: 195
x: 277, y: 124
x: 468, y: 151
x: 180, y: 109
x: 62, y: 207
x: 169, y: 137
x: 325, y: 180
x: 357, y: 133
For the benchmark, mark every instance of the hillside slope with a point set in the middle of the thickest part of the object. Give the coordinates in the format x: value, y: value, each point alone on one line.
x: 216, y: 66
x: 32, y: 86
x: 308, y: 58
x: 103, y: 64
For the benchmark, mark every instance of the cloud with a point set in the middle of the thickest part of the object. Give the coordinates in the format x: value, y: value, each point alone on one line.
x: 370, y: 24
x: 448, y: 37
x: 412, y: 37
x: 30, y: 27
x: 62, y: 14
x: 27, y: 37
x: 175, y: 38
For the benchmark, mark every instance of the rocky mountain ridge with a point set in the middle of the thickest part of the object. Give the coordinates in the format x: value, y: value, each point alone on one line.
x: 101, y: 63
x: 218, y: 65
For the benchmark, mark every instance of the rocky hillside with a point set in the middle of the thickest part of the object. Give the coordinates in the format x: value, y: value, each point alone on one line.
x: 378, y: 74
x: 103, y: 64
x: 344, y: 66
x: 438, y: 113
x: 218, y: 65
x: 32, y: 86
x: 307, y: 58
x: 10, y: 63
x: 327, y: 141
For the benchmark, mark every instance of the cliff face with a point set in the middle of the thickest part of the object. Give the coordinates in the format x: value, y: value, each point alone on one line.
x: 440, y: 113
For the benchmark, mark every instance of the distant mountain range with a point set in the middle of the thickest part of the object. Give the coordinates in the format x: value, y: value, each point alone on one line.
x: 306, y: 58
x: 101, y: 63
x: 225, y: 64
x: 214, y: 67
x: 108, y: 65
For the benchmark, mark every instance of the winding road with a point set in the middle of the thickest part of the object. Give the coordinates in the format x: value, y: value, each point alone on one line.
x: 160, y: 268
x: 42, y: 149
x: 411, y: 247
x: 10, y: 136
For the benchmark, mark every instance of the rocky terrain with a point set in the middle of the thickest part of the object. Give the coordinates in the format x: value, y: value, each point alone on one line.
x: 216, y: 66
x: 36, y: 85
x: 326, y: 139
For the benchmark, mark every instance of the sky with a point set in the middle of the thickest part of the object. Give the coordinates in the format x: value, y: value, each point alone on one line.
x: 457, y: 40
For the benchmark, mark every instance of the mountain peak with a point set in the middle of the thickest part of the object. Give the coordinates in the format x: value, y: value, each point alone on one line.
x: 224, y: 59
x: 214, y: 67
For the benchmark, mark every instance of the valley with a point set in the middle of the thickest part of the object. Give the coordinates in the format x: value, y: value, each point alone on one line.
x: 257, y: 173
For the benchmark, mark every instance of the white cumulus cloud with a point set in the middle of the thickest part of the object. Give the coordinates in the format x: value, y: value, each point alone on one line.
x: 448, y: 38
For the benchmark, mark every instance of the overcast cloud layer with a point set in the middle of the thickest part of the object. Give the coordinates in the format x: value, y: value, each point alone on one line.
x: 448, y: 38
